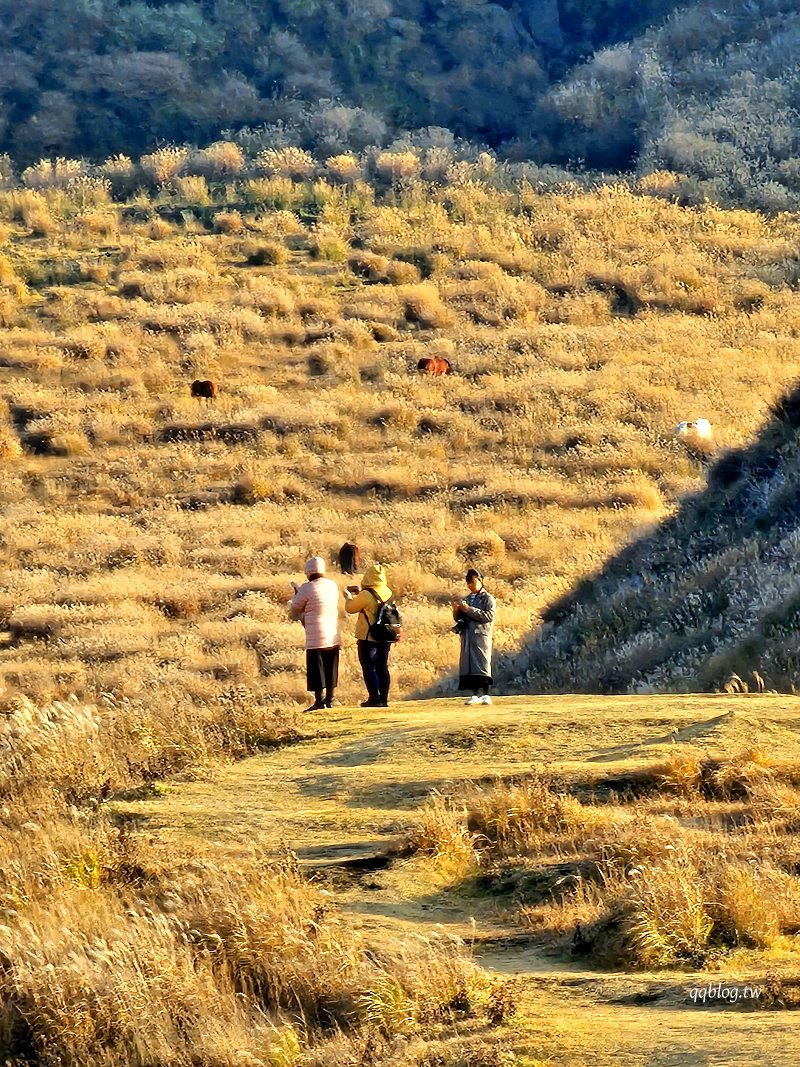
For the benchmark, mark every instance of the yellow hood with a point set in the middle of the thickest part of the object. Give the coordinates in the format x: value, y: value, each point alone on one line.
x: 375, y: 578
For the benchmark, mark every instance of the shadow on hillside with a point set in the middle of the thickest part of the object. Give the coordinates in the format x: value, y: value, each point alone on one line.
x: 714, y: 590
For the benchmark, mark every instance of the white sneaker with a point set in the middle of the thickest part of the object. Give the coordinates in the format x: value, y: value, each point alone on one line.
x: 485, y: 699
x: 474, y: 699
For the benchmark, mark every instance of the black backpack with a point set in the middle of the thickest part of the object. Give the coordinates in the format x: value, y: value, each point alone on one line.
x: 388, y: 626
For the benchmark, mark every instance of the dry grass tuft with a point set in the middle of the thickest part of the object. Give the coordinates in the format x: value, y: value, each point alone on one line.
x: 423, y: 306
x: 441, y: 832
x: 228, y: 222
x: 665, y: 915
x: 507, y: 815
x: 10, y: 447
x: 628, y: 883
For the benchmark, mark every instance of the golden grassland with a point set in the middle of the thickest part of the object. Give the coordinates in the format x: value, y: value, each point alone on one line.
x: 148, y: 539
x: 609, y: 850
x: 657, y: 868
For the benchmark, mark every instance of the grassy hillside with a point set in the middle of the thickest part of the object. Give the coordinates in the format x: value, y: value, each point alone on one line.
x: 148, y: 539
x: 711, y: 593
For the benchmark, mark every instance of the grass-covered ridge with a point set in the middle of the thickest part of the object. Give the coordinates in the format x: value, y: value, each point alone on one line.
x: 149, y: 537
x: 711, y: 594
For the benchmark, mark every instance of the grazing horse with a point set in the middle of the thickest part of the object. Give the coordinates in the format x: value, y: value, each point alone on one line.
x: 434, y: 366
x: 204, y: 389
x: 349, y: 558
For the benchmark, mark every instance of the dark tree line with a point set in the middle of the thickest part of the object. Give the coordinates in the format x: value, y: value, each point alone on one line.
x: 710, y: 89
x: 97, y: 77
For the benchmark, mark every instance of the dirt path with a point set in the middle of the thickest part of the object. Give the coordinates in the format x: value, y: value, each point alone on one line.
x: 344, y: 794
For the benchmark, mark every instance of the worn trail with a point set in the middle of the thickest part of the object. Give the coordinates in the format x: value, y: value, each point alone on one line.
x: 344, y: 795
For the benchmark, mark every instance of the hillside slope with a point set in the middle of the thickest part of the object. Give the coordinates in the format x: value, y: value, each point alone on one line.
x: 715, y: 590
x: 120, y: 76
x: 148, y: 538
x: 713, y: 94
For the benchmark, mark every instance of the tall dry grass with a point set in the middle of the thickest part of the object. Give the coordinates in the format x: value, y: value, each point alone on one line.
x: 117, y: 955
x: 148, y: 540
x: 687, y: 862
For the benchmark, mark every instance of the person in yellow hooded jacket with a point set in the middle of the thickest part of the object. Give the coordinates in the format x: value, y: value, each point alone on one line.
x: 372, y: 655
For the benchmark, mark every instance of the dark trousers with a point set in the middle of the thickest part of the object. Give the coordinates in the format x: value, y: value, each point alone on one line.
x: 374, y: 659
x: 322, y: 671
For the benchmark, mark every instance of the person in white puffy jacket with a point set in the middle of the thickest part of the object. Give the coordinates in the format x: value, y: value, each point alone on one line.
x: 316, y: 603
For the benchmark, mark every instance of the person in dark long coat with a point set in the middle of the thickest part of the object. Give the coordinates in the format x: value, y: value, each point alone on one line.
x: 474, y: 621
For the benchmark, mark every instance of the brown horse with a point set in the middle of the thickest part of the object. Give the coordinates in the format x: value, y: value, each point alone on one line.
x: 205, y: 389
x: 349, y: 558
x: 434, y: 366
